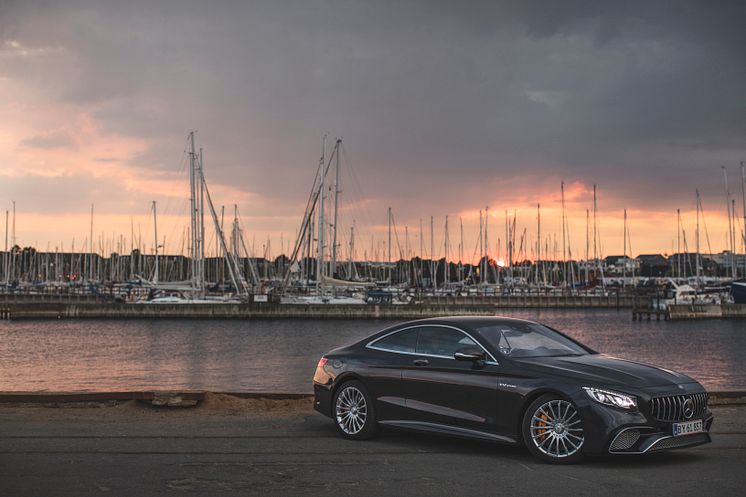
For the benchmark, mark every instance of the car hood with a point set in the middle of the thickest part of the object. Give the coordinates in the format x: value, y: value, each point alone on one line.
x: 599, y: 369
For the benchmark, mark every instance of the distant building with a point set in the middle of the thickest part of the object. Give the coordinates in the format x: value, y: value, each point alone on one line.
x: 620, y: 264
x: 653, y: 265
x: 685, y: 264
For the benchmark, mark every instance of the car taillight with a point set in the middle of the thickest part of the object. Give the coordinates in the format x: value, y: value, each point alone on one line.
x: 322, y: 363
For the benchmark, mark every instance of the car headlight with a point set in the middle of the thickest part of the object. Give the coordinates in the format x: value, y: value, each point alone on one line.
x: 610, y: 398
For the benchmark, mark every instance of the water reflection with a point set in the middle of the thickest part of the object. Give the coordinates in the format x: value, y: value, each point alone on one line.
x: 280, y: 355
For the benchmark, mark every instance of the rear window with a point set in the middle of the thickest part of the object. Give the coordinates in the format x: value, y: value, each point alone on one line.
x: 401, y: 341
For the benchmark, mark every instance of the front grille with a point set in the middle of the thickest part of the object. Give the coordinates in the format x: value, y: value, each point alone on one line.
x: 625, y: 440
x: 676, y: 442
x: 671, y: 408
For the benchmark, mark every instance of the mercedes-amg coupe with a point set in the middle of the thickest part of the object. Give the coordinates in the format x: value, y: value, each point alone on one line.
x: 512, y: 381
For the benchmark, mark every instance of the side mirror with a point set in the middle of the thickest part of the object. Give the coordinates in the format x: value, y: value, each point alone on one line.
x: 472, y: 354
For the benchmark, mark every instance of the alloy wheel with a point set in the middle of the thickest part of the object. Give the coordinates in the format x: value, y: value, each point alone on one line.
x: 351, y: 410
x: 556, y: 429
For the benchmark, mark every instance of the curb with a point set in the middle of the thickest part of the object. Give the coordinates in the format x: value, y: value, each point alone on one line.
x: 172, y: 398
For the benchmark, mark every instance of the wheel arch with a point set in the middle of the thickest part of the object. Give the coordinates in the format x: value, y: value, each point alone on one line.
x: 341, y: 380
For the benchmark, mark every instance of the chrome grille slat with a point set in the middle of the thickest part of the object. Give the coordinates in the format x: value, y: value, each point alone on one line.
x: 671, y: 407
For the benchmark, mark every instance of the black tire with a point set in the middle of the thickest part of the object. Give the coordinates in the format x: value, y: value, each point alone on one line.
x: 553, y: 430
x: 353, y: 412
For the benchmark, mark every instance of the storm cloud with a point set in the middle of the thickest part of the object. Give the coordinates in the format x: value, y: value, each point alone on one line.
x: 443, y: 106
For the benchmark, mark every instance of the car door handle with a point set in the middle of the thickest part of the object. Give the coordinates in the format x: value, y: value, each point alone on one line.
x: 420, y: 362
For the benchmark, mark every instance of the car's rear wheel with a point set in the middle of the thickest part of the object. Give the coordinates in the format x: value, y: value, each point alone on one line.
x: 353, y: 411
x: 553, y: 430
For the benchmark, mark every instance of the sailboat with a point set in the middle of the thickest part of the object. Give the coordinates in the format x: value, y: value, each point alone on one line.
x: 326, y: 284
x: 194, y: 291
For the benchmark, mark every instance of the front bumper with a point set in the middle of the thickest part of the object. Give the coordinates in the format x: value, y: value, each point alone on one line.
x: 644, y: 439
x: 609, y: 430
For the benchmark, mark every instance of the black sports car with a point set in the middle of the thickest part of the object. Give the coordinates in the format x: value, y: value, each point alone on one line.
x: 508, y: 380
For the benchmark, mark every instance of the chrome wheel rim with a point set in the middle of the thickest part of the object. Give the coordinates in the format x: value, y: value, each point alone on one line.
x: 351, y: 410
x: 556, y: 429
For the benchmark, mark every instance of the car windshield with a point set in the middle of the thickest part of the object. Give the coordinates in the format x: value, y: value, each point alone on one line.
x: 529, y: 340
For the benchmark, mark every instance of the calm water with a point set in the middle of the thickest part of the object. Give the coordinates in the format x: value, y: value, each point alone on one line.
x: 280, y: 355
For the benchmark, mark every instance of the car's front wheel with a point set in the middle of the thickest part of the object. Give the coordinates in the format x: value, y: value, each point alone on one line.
x: 553, y: 430
x: 353, y: 411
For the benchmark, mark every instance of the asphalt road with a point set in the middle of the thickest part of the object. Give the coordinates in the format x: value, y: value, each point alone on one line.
x: 138, y: 450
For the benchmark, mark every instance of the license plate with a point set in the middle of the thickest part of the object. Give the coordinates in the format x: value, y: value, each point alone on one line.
x: 687, y: 428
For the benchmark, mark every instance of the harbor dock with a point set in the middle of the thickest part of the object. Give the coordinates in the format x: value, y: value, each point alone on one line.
x: 430, y: 307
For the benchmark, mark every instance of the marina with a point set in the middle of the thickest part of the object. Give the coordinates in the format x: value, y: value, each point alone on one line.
x: 516, y: 269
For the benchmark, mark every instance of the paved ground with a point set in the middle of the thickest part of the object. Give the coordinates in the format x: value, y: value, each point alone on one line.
x: 238, y: 448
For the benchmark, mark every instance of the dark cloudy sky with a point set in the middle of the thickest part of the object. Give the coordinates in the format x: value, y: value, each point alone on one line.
x: 444, y: 108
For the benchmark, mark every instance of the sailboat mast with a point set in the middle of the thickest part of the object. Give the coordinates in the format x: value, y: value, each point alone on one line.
x: 320, y: 255
x: 743, y: 202
x: 389, y: 248
x: 595, y: 232
x: 731, y: 215
x: 461, y: 251
x: 538, y: 242
x: 507, y: 246
x: 90, y: 259
x: 389, y: 239
x: 433, y: 278
x: 234, y: 233
x: 735, y: 243
x: 201, y: 220
x: 350, y: 274
x: 481, y: 249
x: 193, y: 213
x: 624, y: 260
x: 333, y: 269
x: 697, y: 261
x: 486, y: 245
x: 678, y: 243
x: 7, y: 255
x: 587, y: 244
x: 155, y: 239
x: 445, y: 257
x: 422, y: 256
x: 564, y: 243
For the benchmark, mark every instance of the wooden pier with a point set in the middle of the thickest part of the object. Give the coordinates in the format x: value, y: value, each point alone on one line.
x: 689, y: 311
x: 648, y: 313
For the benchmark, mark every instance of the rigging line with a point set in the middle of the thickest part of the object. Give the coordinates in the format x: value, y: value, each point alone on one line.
x: 704, y: 223
x: 367, y: 216
x: 396, y: 235
x: 476, y: 248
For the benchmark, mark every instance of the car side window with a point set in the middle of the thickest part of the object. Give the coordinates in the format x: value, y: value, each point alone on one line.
x: 436, y: 340
x: 401, y: 341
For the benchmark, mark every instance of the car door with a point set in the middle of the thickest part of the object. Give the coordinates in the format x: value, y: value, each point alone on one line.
x: 442, y: 390
x: 385, y: 359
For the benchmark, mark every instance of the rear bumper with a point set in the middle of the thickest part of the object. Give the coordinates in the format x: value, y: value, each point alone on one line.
x: 322, y: 399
